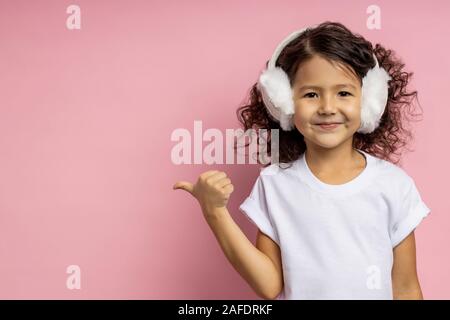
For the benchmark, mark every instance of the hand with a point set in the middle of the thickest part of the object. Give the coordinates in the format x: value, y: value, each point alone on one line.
x: 212, y: 189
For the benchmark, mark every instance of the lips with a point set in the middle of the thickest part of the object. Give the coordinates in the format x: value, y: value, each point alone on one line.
x: 328, y: 126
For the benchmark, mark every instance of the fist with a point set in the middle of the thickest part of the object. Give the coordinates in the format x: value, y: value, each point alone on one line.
x: 212, y: 189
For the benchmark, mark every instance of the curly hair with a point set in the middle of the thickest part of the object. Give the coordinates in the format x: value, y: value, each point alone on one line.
x: 334, y: 42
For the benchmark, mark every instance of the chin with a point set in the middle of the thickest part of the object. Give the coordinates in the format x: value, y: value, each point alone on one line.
x: 327, y: 142
x: 328, y: 146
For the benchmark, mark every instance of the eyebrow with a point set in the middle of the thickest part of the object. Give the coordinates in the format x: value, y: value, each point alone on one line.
x: 343, y: 85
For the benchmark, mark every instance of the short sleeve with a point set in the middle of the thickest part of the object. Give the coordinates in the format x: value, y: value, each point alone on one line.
x: 256, y: 210
x: 412, y: 210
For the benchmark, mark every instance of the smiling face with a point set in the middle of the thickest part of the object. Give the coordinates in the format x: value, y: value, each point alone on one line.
x: 326, y: 92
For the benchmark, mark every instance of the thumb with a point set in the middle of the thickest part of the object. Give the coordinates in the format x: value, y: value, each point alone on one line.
x: 187, y: 186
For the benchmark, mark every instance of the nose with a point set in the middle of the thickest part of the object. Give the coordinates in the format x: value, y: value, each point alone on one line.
x: 327, y: 106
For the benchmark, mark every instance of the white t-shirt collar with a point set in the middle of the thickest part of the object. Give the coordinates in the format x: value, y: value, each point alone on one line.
x: 352, y: 186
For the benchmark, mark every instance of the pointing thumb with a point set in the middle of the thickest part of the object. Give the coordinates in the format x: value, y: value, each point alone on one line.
x: 187, y: 186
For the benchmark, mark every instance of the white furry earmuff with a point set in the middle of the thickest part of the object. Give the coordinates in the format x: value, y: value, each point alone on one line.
x: 277, y: 93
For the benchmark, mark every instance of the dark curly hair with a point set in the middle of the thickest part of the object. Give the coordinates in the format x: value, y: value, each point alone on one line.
x: 333, y: 41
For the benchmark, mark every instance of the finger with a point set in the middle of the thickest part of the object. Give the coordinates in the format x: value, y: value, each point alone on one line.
x: 187, y: 186
x: 223, y: 182
x: 207, y: 174
x: 216, y: 177
x: 229, y: 188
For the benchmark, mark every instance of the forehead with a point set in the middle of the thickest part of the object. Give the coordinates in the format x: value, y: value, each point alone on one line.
x: 321, y: 72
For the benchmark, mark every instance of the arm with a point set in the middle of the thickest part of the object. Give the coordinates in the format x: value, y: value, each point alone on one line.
x: 260, y: 270
x: 272, y: 250
x: 405, y: 283
x: 212, y: 190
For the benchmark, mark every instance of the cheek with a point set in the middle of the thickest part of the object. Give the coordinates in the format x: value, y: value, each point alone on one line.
x: 302, y: 114
x: 303, y: 117
x: 353, y: 111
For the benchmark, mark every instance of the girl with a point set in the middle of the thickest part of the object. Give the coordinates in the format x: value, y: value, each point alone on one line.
x: 338, y: 222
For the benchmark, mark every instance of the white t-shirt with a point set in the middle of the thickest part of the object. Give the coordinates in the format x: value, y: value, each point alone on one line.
x: 336, y: 241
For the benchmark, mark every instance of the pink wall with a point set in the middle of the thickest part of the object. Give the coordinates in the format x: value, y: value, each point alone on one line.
x: 85, y: 123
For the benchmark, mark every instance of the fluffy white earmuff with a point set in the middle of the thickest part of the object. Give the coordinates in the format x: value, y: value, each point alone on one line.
x: 277, y: 93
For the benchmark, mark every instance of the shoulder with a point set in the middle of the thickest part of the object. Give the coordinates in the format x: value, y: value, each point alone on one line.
x: 279, y: 171
x: 277, y: 176
x: 392, y: 176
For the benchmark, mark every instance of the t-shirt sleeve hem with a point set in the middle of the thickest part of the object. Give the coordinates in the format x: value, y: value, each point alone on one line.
x: 410, y: 223
x: 258, y: 218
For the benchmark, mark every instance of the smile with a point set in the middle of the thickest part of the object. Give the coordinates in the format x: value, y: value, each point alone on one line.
x: 328, y: 127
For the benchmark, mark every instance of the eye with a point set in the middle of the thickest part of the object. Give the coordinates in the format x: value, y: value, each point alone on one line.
x: 346, y: 93
x: 308, y: 94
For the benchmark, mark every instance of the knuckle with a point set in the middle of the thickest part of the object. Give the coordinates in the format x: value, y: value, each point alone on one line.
x: 213, y: 185
x: 207, y: 173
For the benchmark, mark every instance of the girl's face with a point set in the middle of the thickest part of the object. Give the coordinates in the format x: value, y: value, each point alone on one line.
x: 324, y: 92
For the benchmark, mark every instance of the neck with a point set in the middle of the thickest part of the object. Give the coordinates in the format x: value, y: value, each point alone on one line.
x: 337, y: 159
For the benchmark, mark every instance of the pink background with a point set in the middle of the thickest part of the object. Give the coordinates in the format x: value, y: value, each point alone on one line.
x: 86, y: 118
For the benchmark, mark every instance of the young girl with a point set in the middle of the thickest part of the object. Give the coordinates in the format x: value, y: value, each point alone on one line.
x: 338, y: 222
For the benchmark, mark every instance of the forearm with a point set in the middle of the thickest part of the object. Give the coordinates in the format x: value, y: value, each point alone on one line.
x: 253, y: 265
x: 408, y: 293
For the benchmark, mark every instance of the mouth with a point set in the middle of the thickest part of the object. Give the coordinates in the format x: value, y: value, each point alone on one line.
x: 320, y: 123
x: 328, y: 126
